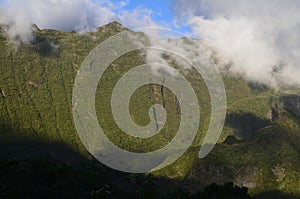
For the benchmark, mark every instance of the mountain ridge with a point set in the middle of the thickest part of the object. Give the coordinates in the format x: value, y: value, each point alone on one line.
x: 36, y: 84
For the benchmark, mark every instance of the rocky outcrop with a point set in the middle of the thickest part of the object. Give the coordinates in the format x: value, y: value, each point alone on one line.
x: 279, y: 173
x: 290, y: 103
x: 246, y: 178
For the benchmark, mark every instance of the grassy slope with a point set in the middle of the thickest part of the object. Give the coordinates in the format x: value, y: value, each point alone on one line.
x: 37, y: 85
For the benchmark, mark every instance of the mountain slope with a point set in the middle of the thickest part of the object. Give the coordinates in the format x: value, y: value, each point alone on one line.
x: 258, y: 147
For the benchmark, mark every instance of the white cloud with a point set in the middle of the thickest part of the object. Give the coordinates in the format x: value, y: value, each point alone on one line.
x: 80, y: 15
x: 138, y: 18
x: 18, y: 28
x: 254, y: 35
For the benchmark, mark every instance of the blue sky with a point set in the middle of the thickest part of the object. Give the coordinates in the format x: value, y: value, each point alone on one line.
x: 162, y: 11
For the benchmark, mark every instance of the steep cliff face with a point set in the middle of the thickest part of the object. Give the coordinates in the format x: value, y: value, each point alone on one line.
x: 290, y: 103
x: 257, y: 149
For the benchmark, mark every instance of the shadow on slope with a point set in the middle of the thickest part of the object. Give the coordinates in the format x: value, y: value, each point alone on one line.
x: 245, y: 124
x: 275, y: 195
x: 30, y: 168
x: 27, y: 143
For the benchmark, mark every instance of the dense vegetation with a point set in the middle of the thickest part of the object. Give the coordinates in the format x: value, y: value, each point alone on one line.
x: 259, y: 146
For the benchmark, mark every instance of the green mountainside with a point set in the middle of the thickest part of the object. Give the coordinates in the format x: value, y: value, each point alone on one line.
x: 259, y: 147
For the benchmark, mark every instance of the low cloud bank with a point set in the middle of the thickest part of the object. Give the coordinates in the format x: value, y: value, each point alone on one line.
x: 259, y: 39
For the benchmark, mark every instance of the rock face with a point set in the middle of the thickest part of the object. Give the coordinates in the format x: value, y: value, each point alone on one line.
x: 274, y: 113
x: 247, y: 177
x: 291, y: 103
x: 279, y: 173
x: 2, y: 94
